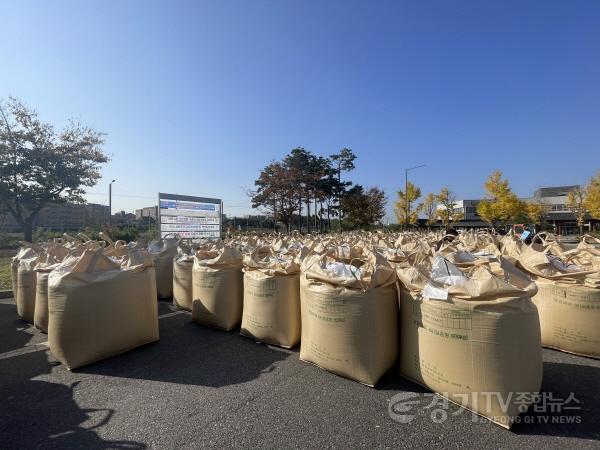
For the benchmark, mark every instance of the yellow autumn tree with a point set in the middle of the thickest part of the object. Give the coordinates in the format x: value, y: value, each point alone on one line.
x: 576, y: 202
x: 537, y: 212
x: 448, y: 212
x: 592, y: 201
x: 430, y: 209
x: 501, y: 205
x: 406, y: 212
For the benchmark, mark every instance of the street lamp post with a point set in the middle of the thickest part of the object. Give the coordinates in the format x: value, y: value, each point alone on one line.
x: 406, y: 189
x: 110, y: 201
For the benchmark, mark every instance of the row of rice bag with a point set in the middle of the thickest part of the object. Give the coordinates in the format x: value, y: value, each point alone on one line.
x: 94, y: 298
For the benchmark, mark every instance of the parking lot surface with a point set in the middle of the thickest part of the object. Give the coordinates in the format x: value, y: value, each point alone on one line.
x: 199, y: 387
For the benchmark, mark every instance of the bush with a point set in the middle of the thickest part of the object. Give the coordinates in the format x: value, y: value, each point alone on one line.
x: 42, y: 235
x: 5, y: 281
x: 10, y: 240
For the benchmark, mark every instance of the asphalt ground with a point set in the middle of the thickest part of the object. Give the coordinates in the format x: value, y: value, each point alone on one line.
x: 200, y: 387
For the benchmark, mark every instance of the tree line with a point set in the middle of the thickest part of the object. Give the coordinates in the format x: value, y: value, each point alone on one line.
x: 500, y: 207
x: 40, y: 165
x: 440, y: 207
x: 310, y: 192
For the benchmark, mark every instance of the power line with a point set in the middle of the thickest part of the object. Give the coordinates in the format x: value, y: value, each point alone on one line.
x: 225, y: 204
x: 121, y: 195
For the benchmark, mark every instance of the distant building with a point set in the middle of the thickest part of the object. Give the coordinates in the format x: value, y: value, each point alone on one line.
x: 560, y: 216
x: 467, y: 209
x: 96, y: 214
x: 470, y: 218
x: 149, y: 211
x: 122, y: 218
x: 556, y: 198
x: 255, y: 217
x: 63, y: 217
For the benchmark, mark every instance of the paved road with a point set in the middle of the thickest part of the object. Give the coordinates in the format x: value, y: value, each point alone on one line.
x: 199, y: 387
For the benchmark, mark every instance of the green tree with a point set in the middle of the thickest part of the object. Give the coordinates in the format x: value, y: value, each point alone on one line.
x: 277, y: 192
x: 302, y: 181
x: 330, y: 188
x: 405, y: 212
x: 39, y: 166
x: 364, y: 208
x: 500, y: 205
x: 311, y: 171
x: 321, y: 188
x: 376, y: 201
x: 342, y: 162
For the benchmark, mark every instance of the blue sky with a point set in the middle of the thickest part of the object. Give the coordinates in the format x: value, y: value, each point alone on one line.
x: 196, y: 97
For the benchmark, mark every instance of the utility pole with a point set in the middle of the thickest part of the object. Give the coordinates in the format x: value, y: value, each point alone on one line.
x: 110, y: 201
x: 406, y: 199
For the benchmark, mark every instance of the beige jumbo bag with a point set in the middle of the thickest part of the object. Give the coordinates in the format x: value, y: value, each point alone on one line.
x: 163, y: 251
x: 28, y: 251
x: 271, y: 312
x: 587, y: 253
x: 471, y: 334
x: 26, y: 287
x: 394, y: 256
x: 112, y: 248
x: 48, y: 261
x: 349, y: 315
x: 511, y: 246
x: 183, y: 263
x: 99, y: 307
x: 14, y: 273
x: 40, y: 318
x: 217, y: 288
x: 568, y: 298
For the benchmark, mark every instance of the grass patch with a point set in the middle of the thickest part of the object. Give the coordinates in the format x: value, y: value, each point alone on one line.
x: 5, y: 282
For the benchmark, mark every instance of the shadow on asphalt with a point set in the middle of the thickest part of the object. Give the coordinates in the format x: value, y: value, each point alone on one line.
x: 10, y: 336
x: 393, y: 381
x: 39, y: 414
x: 552, y: 415
x: 190, y: 354
x: 560, y: 381
x: 166, y: 306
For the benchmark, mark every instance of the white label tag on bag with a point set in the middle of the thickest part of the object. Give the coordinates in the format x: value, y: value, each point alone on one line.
x: 434, y: 293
